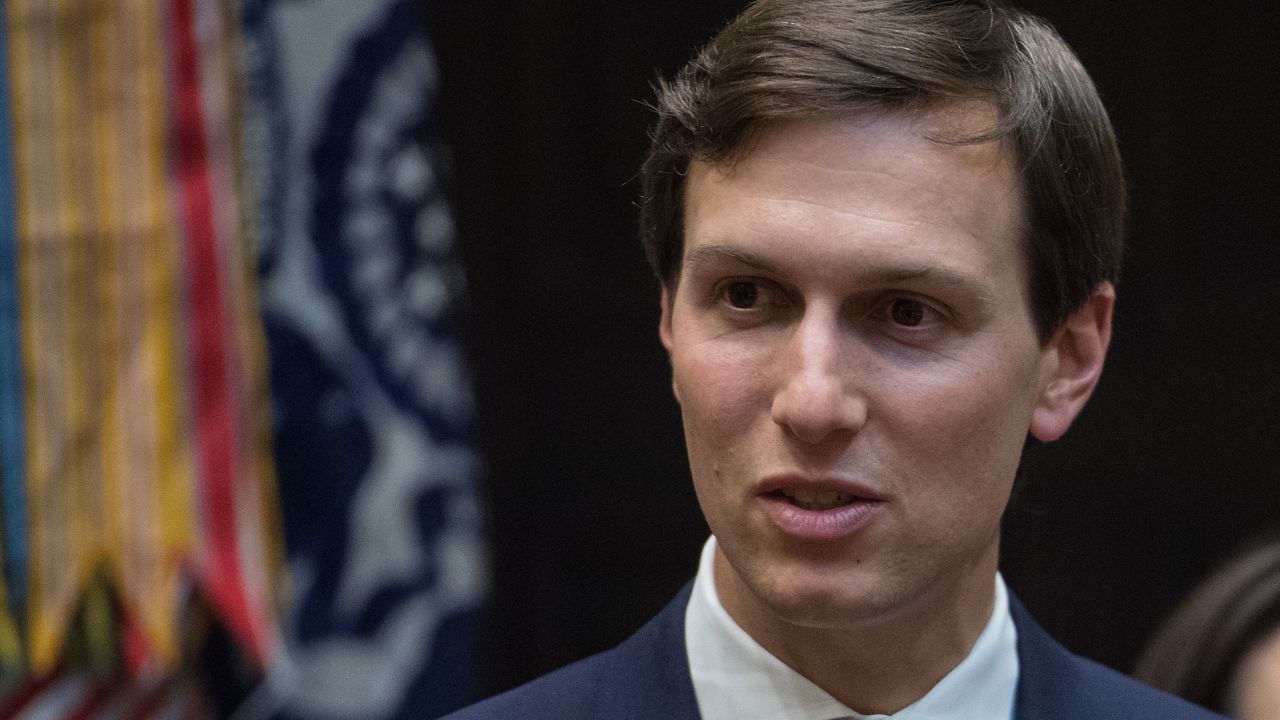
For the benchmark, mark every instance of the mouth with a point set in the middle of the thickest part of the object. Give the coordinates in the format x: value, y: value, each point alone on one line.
x: 817, y: 494
x: 816, y: 499
x: 819, y: 509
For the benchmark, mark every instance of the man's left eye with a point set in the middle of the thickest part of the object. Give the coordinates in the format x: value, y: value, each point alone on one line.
x: 908, y: 312
x: 742, y: 294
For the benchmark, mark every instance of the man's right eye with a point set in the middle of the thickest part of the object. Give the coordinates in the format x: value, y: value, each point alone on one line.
x: 742, y: 294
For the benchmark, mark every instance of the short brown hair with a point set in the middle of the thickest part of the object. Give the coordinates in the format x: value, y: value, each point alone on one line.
x: 789, y: 59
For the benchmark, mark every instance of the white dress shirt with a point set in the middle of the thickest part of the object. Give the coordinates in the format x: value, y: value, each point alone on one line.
x: 735, y: 678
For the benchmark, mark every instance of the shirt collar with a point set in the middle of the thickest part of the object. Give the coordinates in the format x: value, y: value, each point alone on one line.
x: 735, y: 678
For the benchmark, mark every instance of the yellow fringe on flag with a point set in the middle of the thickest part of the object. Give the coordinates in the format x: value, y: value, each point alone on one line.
x: 10, y: 642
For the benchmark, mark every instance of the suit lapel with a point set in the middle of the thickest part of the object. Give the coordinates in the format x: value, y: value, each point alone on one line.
x: 1048, y: 687
x: 650, y: 678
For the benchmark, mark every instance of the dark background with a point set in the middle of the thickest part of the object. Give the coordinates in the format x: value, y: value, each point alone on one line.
x: 592, y: 519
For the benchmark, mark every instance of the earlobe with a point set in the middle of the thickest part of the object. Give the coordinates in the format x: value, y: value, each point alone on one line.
x: 1078, y: 350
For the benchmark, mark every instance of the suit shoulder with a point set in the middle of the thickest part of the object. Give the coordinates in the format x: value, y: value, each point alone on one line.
x: 647, y: 676
x: 565, y: 694
x: 1117, y: 695
x: 1056, y: 684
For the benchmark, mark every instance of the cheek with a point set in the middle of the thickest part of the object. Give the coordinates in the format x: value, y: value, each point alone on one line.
x: 966, y: 431
x: 720, y: 402
x: 976, y: 406
x: 719, y: 389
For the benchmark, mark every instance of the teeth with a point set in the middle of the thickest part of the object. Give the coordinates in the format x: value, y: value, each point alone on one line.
x: 809, y: 499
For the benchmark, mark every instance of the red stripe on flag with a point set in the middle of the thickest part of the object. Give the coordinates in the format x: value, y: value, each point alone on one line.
x: 135, y: 647
x: 215, y: 425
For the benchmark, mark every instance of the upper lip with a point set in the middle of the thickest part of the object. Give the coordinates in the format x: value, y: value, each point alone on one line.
x: 793, y: 481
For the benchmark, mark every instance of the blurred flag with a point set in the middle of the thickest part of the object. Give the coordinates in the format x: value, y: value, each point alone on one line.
x: 371, y: 399
x: 81, y: 696
x: 133, y: 405
x: 12, y: 492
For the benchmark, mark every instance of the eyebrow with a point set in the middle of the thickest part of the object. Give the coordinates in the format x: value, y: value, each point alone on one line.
x: 705, y: 254
x: 933, y: 274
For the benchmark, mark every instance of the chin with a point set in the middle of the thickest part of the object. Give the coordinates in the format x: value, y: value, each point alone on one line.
x: 812, y: 597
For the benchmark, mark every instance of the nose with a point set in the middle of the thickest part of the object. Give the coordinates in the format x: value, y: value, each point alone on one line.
x: 816, y: 398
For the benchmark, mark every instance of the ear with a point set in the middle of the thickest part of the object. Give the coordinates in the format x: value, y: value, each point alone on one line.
x: 664, y: 332
x: 1074, y: 364
x: 664, y: 323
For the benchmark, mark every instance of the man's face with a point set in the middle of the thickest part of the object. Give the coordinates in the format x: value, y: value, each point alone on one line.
x: 856, y: 364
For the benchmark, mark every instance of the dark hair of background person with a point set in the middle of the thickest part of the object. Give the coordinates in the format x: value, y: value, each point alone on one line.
x: 785, y: 60
x: 1198, y: 650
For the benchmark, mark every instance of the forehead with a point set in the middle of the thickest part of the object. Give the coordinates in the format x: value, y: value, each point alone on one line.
x: 882, y: 184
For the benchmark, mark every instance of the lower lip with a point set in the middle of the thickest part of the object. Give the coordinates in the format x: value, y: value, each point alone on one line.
x: 830, y: 524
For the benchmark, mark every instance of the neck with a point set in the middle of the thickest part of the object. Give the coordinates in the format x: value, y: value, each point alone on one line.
x: 876, y: 665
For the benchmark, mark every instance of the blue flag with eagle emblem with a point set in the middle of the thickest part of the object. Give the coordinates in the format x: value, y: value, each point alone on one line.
x: 370, y: 395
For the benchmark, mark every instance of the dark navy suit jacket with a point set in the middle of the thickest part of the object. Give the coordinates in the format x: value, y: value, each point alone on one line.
x: 647, y: 678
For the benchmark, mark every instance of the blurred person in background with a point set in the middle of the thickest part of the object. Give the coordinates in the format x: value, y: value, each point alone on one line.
x: 1221, y: 647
